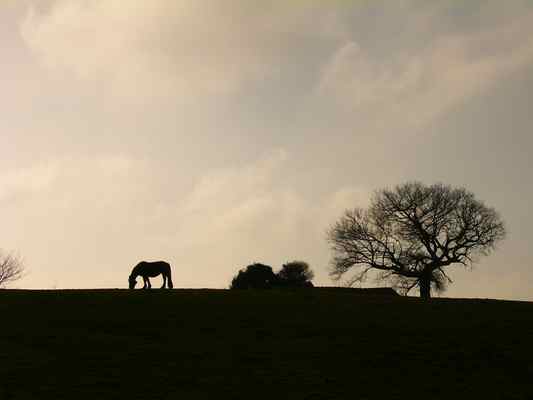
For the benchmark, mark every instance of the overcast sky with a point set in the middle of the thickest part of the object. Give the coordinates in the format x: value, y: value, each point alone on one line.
x: 217, y: 133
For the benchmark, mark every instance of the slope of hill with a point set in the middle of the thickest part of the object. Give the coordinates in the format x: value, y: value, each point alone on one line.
x: 303, y: 344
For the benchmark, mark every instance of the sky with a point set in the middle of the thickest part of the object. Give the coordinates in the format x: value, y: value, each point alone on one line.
x: 218, y: 133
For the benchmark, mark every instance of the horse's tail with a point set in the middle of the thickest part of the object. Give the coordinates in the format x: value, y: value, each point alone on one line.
x: 169, y: 278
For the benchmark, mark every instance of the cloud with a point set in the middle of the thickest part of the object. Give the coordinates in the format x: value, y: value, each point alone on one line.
x: 338, y: 85
x: 244, y: 213
x: 412, y: 88
x: 190, y: 48
x: 23, y: 182
x: 250, y: 213
x: 99, y: 215
x: 65, y: 186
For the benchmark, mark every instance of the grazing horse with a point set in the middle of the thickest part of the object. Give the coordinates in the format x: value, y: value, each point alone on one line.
x: 150, y: 270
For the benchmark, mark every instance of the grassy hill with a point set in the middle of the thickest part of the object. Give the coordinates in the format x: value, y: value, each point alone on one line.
x: 217, y: 344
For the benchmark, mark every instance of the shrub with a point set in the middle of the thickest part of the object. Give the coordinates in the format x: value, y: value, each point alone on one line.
x: 255, y: 276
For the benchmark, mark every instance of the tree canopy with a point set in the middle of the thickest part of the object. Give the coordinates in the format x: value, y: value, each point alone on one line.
x: 254, y: 276
x: 295, y: 274
x: 410, y: 234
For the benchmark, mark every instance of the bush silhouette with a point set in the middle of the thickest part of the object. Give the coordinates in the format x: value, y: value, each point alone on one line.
x: 295, y: 274
x: 255, y: 276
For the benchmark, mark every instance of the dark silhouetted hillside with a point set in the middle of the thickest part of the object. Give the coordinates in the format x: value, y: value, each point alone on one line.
x: 322, y: 343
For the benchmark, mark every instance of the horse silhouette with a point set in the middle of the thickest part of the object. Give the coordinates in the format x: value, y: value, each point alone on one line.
x: 149, y: 270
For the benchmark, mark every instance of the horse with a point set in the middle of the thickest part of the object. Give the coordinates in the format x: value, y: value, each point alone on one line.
x: 150, y: 270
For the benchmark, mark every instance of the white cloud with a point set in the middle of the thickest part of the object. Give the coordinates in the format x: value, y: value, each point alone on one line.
x: 413, y: 88
x: 217, y: 83
x: 25, y: 181
x: 248, y: 213
x: 363, y: 82
x: 99, y: 215
x: 188, y: 48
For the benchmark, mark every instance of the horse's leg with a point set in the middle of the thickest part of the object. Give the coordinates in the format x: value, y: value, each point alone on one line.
x: 149, y: 284
x: 145, y: 280
x: 164, y: 281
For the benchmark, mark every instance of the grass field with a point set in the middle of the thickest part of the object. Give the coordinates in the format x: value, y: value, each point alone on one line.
x: 304, y: 344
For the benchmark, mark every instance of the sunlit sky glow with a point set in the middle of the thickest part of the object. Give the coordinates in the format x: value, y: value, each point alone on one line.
x: 213, y: 134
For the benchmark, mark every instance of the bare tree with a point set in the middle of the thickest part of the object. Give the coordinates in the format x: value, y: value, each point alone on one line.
x: 11, y: 268
x: 410, y: 234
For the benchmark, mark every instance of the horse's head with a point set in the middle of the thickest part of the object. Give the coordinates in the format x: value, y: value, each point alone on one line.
x: 132, y: 281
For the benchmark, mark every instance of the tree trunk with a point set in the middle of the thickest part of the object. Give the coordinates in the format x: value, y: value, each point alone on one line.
x: 425, y: 287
